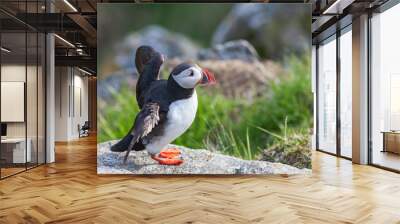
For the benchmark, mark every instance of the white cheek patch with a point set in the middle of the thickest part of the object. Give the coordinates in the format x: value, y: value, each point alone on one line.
x: 186, y: 81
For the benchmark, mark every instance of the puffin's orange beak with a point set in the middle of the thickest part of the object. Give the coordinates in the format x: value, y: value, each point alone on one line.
x: 208, y: 78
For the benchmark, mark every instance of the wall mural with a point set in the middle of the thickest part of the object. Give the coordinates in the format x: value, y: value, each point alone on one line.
x: 204, y: 89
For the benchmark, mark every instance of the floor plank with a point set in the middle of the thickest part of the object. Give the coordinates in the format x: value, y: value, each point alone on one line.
x: 70, y: 191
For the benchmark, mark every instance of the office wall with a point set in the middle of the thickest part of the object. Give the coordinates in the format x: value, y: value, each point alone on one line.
x: 33, y: 126
x: 12, y: 73
x: 71, y: 102
x: 61, y: 103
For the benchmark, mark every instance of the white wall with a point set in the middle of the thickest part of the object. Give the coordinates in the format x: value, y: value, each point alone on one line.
x: 71, y: 94
x: 33, y: 126
x: 15, y: 73
x: 62, y: 81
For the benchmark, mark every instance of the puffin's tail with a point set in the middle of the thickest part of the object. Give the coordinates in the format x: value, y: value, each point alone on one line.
x: 123, y: 144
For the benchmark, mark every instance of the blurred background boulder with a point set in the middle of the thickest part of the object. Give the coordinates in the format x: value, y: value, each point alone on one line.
x: 270, y: 31
x: 170, y: 44
x: 273, y: 31
x: 237, y: 49
x: 113, y: 83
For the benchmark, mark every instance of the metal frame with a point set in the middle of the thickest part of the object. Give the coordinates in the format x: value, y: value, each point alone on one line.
x: 338, y: 75
x: 369, y: 104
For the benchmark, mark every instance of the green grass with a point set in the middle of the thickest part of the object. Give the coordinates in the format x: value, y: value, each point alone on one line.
x: 288, y: 103
x: 116, y: 119
x: 291, y: 147
x: 230, y: 126
x: 288, y: 98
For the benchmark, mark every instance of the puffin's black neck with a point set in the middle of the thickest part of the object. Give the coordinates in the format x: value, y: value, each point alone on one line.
x: 176, y: 91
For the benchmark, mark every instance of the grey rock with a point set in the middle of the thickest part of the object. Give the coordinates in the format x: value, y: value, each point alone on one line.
x: 168, y: 43
x: 274, y: 29
x: 198, y: 161
x: 238, y: 49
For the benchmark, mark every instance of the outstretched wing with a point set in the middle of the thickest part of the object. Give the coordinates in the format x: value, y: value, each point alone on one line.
x: 148, y: 63
x: 143, y: 56
x: 145, y: 121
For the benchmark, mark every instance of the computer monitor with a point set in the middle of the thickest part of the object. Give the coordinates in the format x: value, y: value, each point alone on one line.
x: 3, y: 129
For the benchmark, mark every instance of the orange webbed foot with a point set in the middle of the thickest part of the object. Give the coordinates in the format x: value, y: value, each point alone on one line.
x: 167, y: 161
x: 168, y: 156
x: 170, y: 153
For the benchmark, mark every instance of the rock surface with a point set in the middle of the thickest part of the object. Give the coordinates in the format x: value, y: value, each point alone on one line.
x: 195, y: 162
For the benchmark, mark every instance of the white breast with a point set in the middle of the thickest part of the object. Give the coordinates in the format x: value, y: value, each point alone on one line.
x: 180, y: 116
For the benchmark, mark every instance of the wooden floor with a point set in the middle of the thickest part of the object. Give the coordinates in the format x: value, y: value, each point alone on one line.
x: 386, y: 159
x: 11, y: 170
x: 70, y: 191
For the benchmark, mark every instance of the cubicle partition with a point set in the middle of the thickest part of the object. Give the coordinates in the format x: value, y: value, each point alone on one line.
x: 22, y: 95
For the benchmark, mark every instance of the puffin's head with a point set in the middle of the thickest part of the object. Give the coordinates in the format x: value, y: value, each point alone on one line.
x: 189, y: 75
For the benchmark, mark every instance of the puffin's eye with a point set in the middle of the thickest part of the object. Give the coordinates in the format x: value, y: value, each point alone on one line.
x: 191, y: 73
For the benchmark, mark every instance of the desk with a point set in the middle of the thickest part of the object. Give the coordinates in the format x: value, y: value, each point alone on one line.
x: 391, y: 141
x: 13, y: 150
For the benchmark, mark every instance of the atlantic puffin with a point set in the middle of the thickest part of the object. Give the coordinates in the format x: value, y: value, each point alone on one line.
x: 167, y: 107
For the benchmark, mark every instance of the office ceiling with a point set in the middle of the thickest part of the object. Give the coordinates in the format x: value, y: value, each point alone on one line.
x: 74, y: 22
x: 332, y: 15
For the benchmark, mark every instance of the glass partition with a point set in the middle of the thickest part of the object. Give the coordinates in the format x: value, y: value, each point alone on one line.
x: 346, y: 93
x: 327, y: 96
x: 22, y: 101
x: 14, y: 155
x: 385, y: 89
